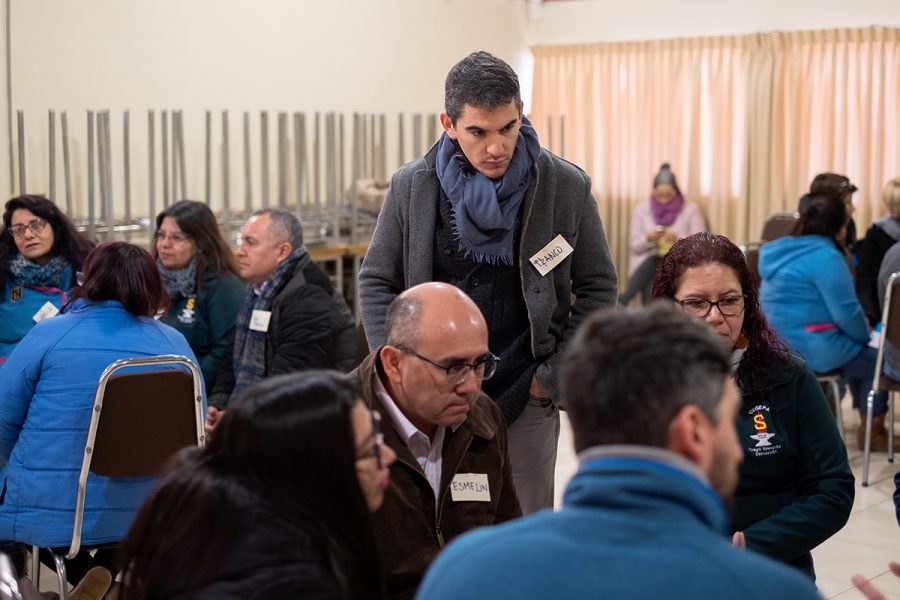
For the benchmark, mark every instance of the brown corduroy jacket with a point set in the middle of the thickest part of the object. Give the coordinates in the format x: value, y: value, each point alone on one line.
x: 409, y: 530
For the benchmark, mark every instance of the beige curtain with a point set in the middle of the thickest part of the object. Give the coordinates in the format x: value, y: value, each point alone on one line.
x: 823, y: 101
x: 745, y: 121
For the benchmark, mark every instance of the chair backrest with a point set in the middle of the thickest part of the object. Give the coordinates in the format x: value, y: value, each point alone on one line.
x: 779, y: 225
x: 890, y: 323
x: 139, y: 420
x: 751, y: 253
x: 891, y: 317
x: 146, y: 418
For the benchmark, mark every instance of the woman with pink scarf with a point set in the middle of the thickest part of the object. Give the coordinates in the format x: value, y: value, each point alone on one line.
x: 656, y: 224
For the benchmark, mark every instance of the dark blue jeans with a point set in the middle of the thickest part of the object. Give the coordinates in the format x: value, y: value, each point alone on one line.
x: 858, y: 375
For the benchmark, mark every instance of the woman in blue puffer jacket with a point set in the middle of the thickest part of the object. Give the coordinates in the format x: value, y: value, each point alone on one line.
x: 47, y: 389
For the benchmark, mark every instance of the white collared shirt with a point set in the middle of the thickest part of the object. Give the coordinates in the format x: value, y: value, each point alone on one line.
x: 427, y: 452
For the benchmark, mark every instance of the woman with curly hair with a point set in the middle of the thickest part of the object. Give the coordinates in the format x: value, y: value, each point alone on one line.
x: 795, y: 488
x: 40, y: 251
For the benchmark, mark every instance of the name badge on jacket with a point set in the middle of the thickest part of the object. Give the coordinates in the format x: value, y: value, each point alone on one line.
x: 549, y: 257
x: 470, y: 487
x: 46, y: 311
x: 259, y: 320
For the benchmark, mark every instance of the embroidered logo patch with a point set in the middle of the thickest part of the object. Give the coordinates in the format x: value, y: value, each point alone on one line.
x: 762, y: 431
x: 16, y: 294
x: 762, y: 425
x: 187, y: 315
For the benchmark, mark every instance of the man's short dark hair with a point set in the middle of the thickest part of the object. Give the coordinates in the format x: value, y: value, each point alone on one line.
x: 480, y: 80
x: 626, y: 375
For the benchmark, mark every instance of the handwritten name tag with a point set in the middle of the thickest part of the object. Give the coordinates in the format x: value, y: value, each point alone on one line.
x: 470, y: 487
x: 46, y: 311
x: 259, y: 320
x: 548, y: 257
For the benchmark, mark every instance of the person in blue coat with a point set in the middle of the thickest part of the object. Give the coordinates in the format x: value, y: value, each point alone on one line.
x: 808, y: 297
x: 40, y: 251
x: 644, y: 516
x: 47, y: 388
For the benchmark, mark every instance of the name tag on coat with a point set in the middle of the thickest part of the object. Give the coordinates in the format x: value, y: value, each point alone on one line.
x: 470, y: 487
x: 548, y: 258
x: 47, y: 310
x: 259, y: 320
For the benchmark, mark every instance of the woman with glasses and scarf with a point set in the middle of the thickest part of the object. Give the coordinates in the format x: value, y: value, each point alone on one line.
x: 655, y: 225
x: 200, y: 274
x: 277, y: 505
x: 40, y: 251
x: 795, y: 486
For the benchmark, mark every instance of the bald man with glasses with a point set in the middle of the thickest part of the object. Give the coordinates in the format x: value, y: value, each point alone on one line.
x: 452, y: 472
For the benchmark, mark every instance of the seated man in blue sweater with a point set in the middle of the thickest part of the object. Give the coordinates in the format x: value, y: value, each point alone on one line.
x: 652, y: 405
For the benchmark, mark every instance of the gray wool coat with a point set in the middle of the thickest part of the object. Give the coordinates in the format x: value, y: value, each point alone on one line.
x: 558, y: 202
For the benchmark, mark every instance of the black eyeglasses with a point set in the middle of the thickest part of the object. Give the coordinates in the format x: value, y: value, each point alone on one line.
x: 377, y: 440
x: 729, y: 306
x: 36, y: 226
x: 484, y: 367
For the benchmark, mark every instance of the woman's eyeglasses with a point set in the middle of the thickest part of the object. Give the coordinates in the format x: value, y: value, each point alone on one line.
x: 729, y: 306
x: 377, y: 440
x: 175, y: 238
x: 36, y: 226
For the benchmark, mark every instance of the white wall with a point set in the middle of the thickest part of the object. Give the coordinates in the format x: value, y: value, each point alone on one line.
x: 381, y: 56
x: 581, y: 21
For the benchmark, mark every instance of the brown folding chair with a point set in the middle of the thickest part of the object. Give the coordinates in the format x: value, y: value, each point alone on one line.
x: 751, y: 254
x: 779, y: 225
x: 140, y: 420
x: 890, y: 333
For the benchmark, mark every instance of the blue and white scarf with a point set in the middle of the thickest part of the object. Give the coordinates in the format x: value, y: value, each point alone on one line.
x: 49, y: 275
x: 485, y: 210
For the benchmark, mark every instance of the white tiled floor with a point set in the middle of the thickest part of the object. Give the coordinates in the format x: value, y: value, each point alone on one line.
x: 865, y: 545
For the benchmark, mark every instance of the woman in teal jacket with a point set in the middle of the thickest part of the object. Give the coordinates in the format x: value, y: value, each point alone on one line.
x: 795, y: 487
x: 40, y: 251
x: 199, y: 272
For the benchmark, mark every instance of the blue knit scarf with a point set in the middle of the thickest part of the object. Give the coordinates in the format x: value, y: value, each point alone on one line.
x: 52, y: 274
x: 485, y: 210
x: 250, y: 345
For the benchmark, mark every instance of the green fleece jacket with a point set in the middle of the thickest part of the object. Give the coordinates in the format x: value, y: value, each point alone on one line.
x: 206, y: 319
x: 796, y: 487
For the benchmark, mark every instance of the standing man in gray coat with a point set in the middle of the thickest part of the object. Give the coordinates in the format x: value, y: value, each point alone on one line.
x: 515, y: 227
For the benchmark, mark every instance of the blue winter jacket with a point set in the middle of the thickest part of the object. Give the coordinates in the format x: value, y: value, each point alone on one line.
x: 807, y: 295
x: 637, y: 523
x: 47, y: 386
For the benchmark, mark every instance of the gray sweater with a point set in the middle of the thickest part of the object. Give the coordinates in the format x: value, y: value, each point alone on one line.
x: 558, y: 202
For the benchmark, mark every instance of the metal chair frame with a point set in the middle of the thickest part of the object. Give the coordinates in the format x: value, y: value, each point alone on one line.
x: 833, y: 380
x: 876, y: 381
x: 105, y: 377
